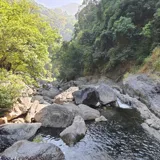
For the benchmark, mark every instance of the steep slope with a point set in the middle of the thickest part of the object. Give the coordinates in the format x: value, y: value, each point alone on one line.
x: 110, y: 37
x: 71, y: 8
x: 60, y: 20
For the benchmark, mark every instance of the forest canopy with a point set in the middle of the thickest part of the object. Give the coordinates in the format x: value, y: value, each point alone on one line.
x: 27, y: 42
x: 27, y: 45
x: 110, y: 33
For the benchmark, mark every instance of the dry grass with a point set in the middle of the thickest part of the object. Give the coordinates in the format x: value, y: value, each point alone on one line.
x: 152, y: 63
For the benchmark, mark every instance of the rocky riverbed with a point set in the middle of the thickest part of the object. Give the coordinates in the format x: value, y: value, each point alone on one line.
x: 120, y: 115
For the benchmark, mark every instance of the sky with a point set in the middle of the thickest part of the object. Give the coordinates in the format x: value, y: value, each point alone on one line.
x: 57, y: 3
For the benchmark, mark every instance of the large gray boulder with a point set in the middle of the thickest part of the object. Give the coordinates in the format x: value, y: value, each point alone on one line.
x: 61, y: 116
x: 10, y: 133
x: 75, y: 132
x: 88, y: 113
x: 106, y: 94
x: 145, y: 89
x: 51, y: 93
x: 88, y: 96
x: 55, y: 115
x: 25, y: 150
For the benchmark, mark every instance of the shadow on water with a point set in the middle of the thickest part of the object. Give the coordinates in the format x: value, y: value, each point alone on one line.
x: 122, y: 137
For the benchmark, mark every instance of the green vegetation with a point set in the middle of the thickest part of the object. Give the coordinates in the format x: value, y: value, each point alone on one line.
x: 152, y: 63
x: 108, y: 34
x: 10, y: 88
x: 60, y: 20
x: 27, y: 45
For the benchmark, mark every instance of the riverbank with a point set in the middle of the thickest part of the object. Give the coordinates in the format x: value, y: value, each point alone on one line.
x: 57, y: 105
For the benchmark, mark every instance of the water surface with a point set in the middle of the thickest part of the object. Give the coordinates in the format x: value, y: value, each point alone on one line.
x: 121, y: 137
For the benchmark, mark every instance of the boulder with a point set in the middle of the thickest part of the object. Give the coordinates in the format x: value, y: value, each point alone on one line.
x: 151, y: 122
x: 25, y: 150
x: 51, y: 93
x: 11, y: 133
x: 55, y: 115
x: 17, y: 110
x: 75, y: 132
x: 27, y: 91
x: 35, y: 108
x: 26, y: 101
x: 88, y: 96
x: 38, y: 98
x: 74, y: 109
x: 65, y: 96
x: 18, y: 120
x: 3, y: 120
x: 48, y: 100
x: 106, y: 94
x: 88, y: 113
x: 145, y: 89
x: 101, y: 119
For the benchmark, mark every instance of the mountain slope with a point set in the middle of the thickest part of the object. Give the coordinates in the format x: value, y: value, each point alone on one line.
x: 60, y: 20
x: 71, y: 8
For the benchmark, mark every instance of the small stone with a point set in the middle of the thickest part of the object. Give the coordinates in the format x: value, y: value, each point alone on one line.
x: 101, y: 119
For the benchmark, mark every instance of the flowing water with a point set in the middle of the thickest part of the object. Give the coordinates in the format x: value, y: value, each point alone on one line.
x: 121, y: 137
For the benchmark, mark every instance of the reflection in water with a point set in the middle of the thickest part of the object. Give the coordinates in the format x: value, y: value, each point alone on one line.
x: 121, y: 137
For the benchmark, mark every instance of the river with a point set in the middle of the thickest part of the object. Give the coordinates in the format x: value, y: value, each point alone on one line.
x: 121, y: 137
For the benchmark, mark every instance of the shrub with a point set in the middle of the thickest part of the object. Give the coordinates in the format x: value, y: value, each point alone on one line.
x: 10, y: 88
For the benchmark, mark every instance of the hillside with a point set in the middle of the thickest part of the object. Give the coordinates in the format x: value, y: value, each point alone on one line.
x: 111, y: 37
x: 60, y: 20
x: 71, y: 8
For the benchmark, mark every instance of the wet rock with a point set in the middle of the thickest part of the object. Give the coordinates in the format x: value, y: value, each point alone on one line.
x: 88, y: 113
x: 145, y: 89
x: 11, y: 133
x: 153, y: 132
x: 55, y: 115
x: 101, y: 119
x: 65, y: 96
x: 106, y: 94
x: 87, y: 96
x: 75, y: 132
x: 25, y: 150
x: 151, y: 121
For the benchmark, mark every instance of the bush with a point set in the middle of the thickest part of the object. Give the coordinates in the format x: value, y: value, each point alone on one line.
x: 10, y: 88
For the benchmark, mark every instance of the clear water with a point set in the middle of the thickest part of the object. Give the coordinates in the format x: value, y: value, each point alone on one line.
x: 121, y: 137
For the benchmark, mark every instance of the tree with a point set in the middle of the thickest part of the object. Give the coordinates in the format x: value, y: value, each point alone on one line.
x: 25, y: 38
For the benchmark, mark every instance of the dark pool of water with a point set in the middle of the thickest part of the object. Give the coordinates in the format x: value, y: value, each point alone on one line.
x: 121, y: 137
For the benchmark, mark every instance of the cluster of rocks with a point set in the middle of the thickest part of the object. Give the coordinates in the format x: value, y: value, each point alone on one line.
x: 16, y: 136
x: 69, y: 106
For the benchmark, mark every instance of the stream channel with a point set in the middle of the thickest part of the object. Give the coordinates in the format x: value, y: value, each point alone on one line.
x: 121, y: 137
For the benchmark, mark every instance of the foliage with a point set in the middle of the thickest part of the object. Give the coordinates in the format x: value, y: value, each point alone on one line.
x: 59, y: 20
x: 152, y: 63
x: 10, y: 88
x: 109, y: 33
x: 25, y: 39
